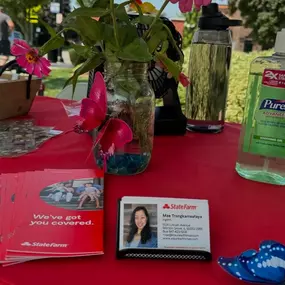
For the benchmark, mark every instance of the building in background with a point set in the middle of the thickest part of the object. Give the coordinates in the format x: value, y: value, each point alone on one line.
x: 179, y: 24
x: 241, y: 36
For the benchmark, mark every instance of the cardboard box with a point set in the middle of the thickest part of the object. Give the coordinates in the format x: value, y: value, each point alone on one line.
x: 13, y: 96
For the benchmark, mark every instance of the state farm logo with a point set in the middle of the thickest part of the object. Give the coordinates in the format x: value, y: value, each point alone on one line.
x: 26, y: 243
x: 166, y: 206
x: 271, y: 75
x: 179, y: 207
x: 43, y: 244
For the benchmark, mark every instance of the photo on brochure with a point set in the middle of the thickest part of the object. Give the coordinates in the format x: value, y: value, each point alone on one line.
x: 79, y: 194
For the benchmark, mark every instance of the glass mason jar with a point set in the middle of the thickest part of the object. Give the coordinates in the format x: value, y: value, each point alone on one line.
x: 131, y: 99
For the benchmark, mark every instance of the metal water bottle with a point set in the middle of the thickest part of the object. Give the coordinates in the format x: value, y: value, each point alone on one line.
x: 209, y: 66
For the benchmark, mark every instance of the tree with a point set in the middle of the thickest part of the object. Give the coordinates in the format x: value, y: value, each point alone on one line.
x: 190, y: 27
x: 17, y: 10
x: 265, y: 17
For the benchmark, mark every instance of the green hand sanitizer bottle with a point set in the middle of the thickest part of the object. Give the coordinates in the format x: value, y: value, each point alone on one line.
x: 261, y: 155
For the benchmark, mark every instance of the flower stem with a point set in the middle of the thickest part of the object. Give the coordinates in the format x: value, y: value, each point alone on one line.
x: 139, y: 9
x: 156, y: 18
x: 112, y: 8
x: 181, y: 56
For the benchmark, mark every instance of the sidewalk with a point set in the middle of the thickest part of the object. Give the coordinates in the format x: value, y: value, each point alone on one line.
x: 66, y: 64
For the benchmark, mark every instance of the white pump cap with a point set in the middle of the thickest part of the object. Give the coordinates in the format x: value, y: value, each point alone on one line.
x: 280, y: 42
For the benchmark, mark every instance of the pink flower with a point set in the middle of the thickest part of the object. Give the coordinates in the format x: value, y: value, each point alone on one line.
x: 185, y: 6
x: 182, y: 78
x: 200, y: 3
x: 29, y: 59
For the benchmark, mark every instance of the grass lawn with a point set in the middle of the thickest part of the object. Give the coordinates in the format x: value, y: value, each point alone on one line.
x: 55, y: 82
x: 237, y: 89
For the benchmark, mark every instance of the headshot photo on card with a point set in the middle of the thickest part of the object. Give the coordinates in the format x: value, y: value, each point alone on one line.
x: 140, y: 226
x: 80, y: 194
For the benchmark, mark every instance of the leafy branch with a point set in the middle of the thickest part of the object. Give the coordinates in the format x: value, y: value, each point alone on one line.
x: 156, y: 18
x: 114, y: 37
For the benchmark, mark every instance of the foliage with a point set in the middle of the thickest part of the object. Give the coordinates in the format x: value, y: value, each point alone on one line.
x: 114, y: 36
x: 17, y: 10
x: 238, y: 82
x: 237, y: 88
x: 190, y: 27
x: 265, y: 17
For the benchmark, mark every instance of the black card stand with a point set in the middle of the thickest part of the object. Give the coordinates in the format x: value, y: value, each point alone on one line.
x: 169, y: 119
x: 149, y: 253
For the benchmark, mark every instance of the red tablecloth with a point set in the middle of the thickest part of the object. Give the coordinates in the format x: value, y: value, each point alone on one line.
x: 242, y: 213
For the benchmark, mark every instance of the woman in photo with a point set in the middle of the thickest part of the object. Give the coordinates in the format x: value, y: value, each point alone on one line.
x: 69, y: 191
x: 56, y: 192
x: 140, y: 233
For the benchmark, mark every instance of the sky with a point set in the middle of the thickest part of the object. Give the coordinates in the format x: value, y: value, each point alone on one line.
x: 172, y: 10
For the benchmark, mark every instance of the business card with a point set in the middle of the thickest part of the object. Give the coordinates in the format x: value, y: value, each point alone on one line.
x: 163, y: 224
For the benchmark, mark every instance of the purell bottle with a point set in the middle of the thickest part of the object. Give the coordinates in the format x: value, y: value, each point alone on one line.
x: 261, y: 154
x: 209, y: 69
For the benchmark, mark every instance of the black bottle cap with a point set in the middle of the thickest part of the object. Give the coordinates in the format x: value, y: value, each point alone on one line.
x: 213, y: 19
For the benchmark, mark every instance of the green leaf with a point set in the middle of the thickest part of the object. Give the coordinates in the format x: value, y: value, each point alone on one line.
x: 68, y: 82
x: 88, y: 65
x: 157, y: 27
x: 106, y: 19
x: 50, y: 30
x: 127, y: 87
x: 153, y: 43
x: 52, y: 44
x: 173, y: 43
x: 121, y: 13
x: 171, y: 66
x: 84, y: 51
x: 111, y: 46
x: 109, y: 38
x: 135, y: 51
x: 87, y: 12
x: 109, y: 54
x: 75, y: 58
x: 155, y: 40
x: 145, y: 20
x: 127, y: 34
x: 91, y: 29
x: 164, y: 46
